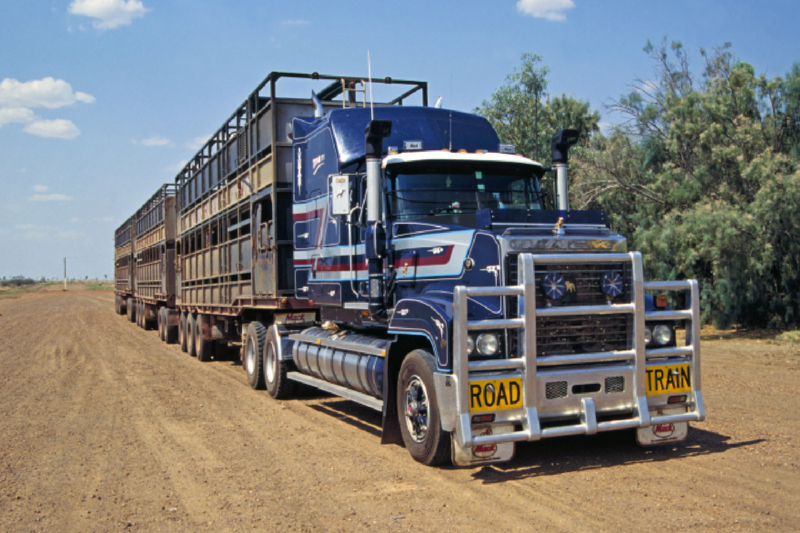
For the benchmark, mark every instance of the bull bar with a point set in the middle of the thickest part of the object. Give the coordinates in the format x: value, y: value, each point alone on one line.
x: 453, y: 389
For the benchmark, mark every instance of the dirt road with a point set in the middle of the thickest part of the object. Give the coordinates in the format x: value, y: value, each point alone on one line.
x: 105, y: 428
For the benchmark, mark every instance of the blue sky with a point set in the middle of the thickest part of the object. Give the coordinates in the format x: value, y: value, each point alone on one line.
x: 102, y: 100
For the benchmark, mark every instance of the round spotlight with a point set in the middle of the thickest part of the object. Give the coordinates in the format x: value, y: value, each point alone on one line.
x: 648, y: 335
x: 612, y: 284
x: 470, y: 345
x: 662, y: 334
x: 487, y: 344
x: 554, y: 286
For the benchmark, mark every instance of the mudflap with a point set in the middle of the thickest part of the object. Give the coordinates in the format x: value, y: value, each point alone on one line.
x: 484, y: 453
x: 659, y: 434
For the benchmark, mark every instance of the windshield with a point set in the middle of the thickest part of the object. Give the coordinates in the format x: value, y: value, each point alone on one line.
x: 442, y: 187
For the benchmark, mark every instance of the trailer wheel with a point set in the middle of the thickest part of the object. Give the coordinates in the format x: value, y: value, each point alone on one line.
x: 170, y: 332
x: 160, y: 323
x: 131, y: 311
x: 139, y: 314
x: 418, y: 411
x: 148, y: 324
x: 190, y: 334
x: 253, y: 348
x: 204, y: 349
x: 182, y: 336
x: 278, y: 385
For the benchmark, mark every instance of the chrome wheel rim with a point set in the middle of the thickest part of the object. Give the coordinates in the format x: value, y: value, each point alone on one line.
x: 416, y: 408
x: 269, y: 364
x: 250, y: 357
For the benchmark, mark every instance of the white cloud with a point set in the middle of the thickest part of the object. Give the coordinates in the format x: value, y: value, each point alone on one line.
x: 153, y: 141
x: 19, y: 115
x: 34, y: 231
x: 197, y: 142
x: 108, y: 14
x: 296, y: 22
x: 60, y: 128
x: 41, y: 188
x: 176, y: 167
x: 545, y: 9
x: 54, y: 197
x: 47, y: 92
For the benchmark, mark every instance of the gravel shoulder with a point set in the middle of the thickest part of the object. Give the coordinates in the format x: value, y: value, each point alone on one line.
x: 105, y: 428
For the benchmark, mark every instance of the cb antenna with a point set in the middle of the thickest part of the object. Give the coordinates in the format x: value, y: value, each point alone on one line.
x: 369, y: 73
x: 451, y: 114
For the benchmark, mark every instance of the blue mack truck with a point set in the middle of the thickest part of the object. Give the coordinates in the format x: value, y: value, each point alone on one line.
x: 464, y: 302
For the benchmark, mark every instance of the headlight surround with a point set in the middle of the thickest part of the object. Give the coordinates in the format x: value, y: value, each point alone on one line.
x: 659, y: 334
x: 488, y: 344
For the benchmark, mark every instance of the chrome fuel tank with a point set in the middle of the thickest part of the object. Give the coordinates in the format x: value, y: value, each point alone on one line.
x: 344, y: 358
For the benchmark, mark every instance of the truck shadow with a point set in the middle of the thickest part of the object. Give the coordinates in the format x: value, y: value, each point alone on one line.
x: 575, y: 454
x: 551, y: 456
x: 353, y: 414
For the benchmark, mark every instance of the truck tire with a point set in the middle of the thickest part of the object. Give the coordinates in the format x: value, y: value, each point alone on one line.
x: 170, y: 332
x: 160, y: 322
x: 130, y: 310
x: 418, y: 411
x: 139, y: 314
x: 147, y: 324
x: 274, y: 375
x: 182, y: 336
x: 204, y: 349
x: 253, y: 348
x: 190, y: 335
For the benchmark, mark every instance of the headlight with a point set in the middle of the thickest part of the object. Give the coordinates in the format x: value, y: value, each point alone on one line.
x: 662, y: 334
x: 487, y: 344
x: 648, y: 335
x: 470, y: 345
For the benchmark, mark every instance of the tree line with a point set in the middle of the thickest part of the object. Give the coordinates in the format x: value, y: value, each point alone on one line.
x: 702, y: 175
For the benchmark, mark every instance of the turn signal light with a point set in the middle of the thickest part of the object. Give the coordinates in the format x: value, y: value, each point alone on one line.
x: 677, y: 399
x: 661, y: 301
x: 482, y: 419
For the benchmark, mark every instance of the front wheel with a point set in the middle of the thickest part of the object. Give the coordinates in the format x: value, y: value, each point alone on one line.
x: 418, y: 410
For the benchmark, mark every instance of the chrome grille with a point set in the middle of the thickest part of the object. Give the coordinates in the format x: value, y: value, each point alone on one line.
x: 576, y: 334
x: 555, y: 389
x: 615, y: 384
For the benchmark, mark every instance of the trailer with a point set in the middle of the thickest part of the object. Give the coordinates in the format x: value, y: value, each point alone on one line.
x: 155, y: 229
x: 403, y: 258
x: 124, y: 271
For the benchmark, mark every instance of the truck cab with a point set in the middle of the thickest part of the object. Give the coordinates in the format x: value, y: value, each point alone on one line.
x: 466, y: 301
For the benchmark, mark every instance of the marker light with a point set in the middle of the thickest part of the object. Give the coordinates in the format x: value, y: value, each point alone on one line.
x: 677, y: 399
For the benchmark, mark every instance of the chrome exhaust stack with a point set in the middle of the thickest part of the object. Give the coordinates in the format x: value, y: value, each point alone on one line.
x: 560, y: 144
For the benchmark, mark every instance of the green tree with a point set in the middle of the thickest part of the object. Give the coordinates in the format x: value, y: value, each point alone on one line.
x: 703, y: 179
x: 522, y: 117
